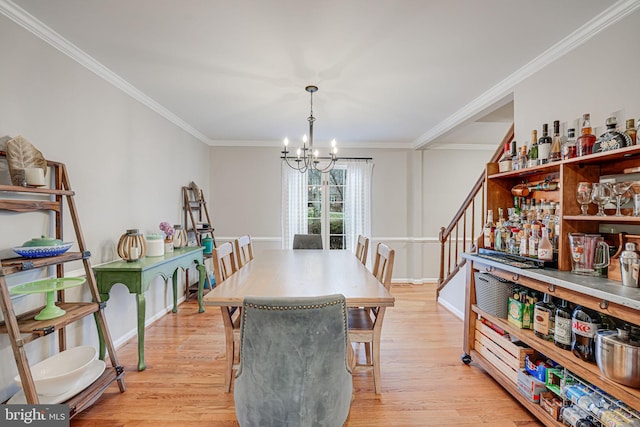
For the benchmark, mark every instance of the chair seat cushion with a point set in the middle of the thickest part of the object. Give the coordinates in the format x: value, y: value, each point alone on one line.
x: 359, y: 319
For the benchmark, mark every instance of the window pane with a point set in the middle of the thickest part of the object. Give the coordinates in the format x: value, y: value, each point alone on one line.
x: 336, y: 177
x: 337, y: 224
x: 315, y: 193
x: 314, y: 211
x: 336, y: 194
x: 315, y: 178
x: 315, y: 226
x: 336, y: 207
x: 337, y: 242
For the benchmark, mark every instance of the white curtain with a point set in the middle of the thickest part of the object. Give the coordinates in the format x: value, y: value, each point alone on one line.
x: 294, y: 204
x: 357, y: 201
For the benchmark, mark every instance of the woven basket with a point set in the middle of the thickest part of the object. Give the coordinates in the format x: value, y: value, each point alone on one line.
x: 492, y: 294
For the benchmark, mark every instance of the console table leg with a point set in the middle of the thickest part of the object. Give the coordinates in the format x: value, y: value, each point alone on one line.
x: 175, y: 290
x: 141, y: 318
x: 203, y: 275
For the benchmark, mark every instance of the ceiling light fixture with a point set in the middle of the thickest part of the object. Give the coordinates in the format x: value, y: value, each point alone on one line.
x: 307, y: 157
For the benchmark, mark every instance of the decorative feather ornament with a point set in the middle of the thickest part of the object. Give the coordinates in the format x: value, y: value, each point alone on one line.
x: 21, y: 154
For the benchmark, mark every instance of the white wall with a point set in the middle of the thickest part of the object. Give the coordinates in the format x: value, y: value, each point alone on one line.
x: 414, y: 194
x: 126, y: 165
x: 600, y: 77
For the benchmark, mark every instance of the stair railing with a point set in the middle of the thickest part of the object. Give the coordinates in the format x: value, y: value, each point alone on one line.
x: 465, y: 222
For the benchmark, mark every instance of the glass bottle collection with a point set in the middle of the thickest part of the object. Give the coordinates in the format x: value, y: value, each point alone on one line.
x: 530, y: 229
x: 576, y: 143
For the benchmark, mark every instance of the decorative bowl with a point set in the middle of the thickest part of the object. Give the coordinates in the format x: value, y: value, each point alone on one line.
x: 42, y: 251
x: 43, y: 241
x: 60, y: 372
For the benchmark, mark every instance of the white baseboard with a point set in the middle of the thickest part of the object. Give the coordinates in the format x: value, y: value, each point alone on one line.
x: 451, y: 308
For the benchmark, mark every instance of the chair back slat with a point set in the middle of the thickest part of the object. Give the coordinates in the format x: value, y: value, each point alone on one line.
x: 383, y: 264
x: 224, y: 263
x: 362, y: 249
x: 244, y: 250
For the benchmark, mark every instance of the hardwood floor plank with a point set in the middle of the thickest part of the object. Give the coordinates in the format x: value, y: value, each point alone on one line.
x: 424, y: 382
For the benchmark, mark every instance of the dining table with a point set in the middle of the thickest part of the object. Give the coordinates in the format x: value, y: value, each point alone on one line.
x: 302, y: 273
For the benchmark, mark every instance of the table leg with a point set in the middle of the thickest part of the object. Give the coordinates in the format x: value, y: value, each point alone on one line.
x: 141, y: 318
x: 202, y: 277
x: 175, y: 290
x: 102, y: 350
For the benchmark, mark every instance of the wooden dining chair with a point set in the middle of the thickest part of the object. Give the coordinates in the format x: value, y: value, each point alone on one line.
x: 365, y: 323
x: 294, y: 367
x: 244, y: 250
x: 362, y: 249
x: 224, y: 265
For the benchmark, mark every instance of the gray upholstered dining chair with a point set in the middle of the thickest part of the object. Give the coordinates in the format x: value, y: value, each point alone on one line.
x: 293, y: 362
x: 307, y: 241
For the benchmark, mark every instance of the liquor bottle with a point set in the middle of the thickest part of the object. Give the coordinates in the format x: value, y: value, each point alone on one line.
x: 545, y: 248
x: 489, y: 230
x: 586, y: 139
x: 524, y: 240
x: 611, y: 139
x: 544, y: 145
x: 523, y: 158
x: 544, y: 314
x: 569, y: 146
x: 498, y: 242
x: 533, y: 149
x: 584, y: 325
x: 631, y: 131
x: 562, y: 332
x: 534, y: 241
x: 515, y: 155
x: 556, y: 144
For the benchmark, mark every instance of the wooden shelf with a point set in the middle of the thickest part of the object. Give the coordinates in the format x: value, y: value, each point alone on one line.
x: 511, y: 387
x: 603, y: 219
x: 88, y: 396
x: 547, y: 168
x: 39, y: 328
x: 15, y: 265
x: 585, y: 370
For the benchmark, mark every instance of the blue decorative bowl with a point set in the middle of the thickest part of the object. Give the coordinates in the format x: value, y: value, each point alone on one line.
x: 42, y: 251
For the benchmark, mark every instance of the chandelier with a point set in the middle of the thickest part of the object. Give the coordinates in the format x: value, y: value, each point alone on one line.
x: 307, y: 157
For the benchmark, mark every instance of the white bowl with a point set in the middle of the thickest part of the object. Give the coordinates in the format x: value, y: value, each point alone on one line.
x: 60, y: 372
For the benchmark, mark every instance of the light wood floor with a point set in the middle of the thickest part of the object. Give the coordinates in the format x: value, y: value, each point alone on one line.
x: 424, y: 383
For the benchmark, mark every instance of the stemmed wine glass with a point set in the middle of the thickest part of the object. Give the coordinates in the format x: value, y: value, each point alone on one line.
x: 583, y: 196
x: 619, y: 189
x: 600, y: 195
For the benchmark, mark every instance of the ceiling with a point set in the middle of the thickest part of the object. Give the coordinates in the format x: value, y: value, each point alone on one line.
x: 403, y: 73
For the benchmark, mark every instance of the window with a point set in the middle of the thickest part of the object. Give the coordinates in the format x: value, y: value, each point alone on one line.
x: 336, y: 205
x: 325, y: 207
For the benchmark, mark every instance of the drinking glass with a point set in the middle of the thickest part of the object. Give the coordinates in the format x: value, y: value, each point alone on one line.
x: 600, y: 195
x: 619, y: 189
x: 583, y: 196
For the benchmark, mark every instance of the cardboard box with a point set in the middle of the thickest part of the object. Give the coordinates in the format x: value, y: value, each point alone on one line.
x: 551, y: 404
x: 529, y: 386
x: 520, y: 314
x: 537, y: 365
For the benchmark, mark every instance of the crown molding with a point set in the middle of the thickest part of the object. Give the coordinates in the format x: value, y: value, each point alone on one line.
x: 592, y: 27
x: 39, y: 29
x: 341, y: 145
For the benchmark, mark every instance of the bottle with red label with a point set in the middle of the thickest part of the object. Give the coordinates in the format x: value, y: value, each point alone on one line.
x: 584, y: 325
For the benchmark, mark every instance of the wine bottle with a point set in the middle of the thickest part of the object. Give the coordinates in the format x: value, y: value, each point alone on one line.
x: 562, y: 332
x: 544, y: 314
x: 533, y: 149
x: 489, y: 230
x: 544, y: 145
x: 556, y: 144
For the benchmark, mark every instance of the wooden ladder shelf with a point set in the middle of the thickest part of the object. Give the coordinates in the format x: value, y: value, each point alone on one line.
x: 23, y: 328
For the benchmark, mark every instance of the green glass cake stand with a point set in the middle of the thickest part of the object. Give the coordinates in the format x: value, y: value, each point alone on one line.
x: 49, y: 287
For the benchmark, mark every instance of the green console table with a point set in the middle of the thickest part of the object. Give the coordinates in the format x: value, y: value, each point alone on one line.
x: 137, y: 277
